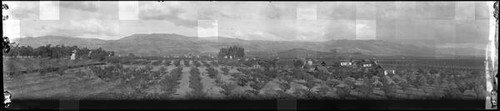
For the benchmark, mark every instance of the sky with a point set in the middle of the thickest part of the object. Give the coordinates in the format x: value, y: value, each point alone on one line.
x: 444, y: 24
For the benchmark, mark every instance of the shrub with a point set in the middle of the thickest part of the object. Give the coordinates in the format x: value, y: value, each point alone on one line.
x: 284, y: 86
x: 343, y: 92
x: 257, y: 86
x: 157, y: 63
x: 167, y: 63
x: 320, y: 75
x: 195, y: 84
x: 162, y: 69
x: 422, y: 81
x: 242, y: 79
x: 186, y: 63
x: 282, y: 95
x: 228, y: 87
x: 212, y: 73
x: 225, y: 70
x: 196, y: 63
x: 177, y: 63
x: 215, y: 63
x: 205, y: 64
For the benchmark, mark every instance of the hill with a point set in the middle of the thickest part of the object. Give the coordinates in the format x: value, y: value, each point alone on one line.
x: 60, y: 40
x: 159, y: 44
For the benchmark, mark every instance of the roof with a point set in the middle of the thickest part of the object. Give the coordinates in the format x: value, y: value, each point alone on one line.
x: 387, y: 66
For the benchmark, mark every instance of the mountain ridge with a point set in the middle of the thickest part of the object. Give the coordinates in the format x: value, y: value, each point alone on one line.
x: 158, y: 44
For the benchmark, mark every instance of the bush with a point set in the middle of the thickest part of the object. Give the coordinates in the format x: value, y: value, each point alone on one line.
x: 205, y: 64
x: 196, y: 63
x: 282, y: 95
x: 225, y: 70
x: 321, y: 75
x: 157, y: 63
x: 228, y: 87
x: 167, y: 63
x: 177, y: 63
x: 284, y: 86
x: 242, y: 79
x: 162, y: 70
x: 215, y: 63
x: 196, y: 85
x: 257, y: 86
x: 212, y: 73
x: 186, y: 63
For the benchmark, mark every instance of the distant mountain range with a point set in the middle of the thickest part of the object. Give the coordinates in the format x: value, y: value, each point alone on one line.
x: 174, y: 44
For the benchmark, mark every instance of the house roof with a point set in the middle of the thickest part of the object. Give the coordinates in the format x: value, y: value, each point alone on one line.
x: 387, y: 66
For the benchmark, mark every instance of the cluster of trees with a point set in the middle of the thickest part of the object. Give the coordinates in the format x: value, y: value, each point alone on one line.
x: 59, y: 51
x: 234, y: 51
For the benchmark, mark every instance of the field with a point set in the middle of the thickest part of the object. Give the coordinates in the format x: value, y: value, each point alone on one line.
x: 189, y: 78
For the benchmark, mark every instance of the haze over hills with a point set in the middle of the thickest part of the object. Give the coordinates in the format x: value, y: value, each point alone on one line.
x: 174, y: 44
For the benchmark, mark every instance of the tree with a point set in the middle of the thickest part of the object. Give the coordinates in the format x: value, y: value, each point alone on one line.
x: 298, y: 63
x: 234, y: 51
x: 131, y: 54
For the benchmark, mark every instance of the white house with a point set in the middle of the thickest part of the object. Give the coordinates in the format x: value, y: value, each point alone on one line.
x: 367, y: 65
x: 90, y: 53
x: 309, y: 62
x: 389, y: 71
x: 73, y: 55
x: 347, y: 63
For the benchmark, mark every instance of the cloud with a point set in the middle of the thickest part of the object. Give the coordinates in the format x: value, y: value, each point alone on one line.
x: 207, y: 28
x: 365, y: 29
x: 337, y: 11
x: 436, y: 10
x: 79, y: 5
x: 91, y: 28
x: 338, y: 29
x: 180, y: 13
x: 279, y: 11
x: 395, y: 21
x: 129, y: 27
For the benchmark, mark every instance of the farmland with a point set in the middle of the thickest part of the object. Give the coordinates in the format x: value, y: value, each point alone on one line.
x: 207, y: 78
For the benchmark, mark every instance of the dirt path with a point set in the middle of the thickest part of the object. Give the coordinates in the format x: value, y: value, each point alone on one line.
x: 209, y: 85
x: 184, y: 84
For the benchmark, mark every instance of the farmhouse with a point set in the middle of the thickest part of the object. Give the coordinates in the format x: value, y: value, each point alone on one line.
x: 346, y: 63
x: 388, y: 69
x: 367, y: 64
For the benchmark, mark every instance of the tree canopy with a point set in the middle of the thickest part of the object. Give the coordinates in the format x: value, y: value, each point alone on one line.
x: 234, y: 51
x: 59, y: 51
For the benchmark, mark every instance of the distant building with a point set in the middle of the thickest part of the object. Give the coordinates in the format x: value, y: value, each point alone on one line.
x: 387, y: 69
x: 73, y: 55
x: 256, y: 66
x: 367, y: 64
x: 310, y: 62
x: 346, y: 63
